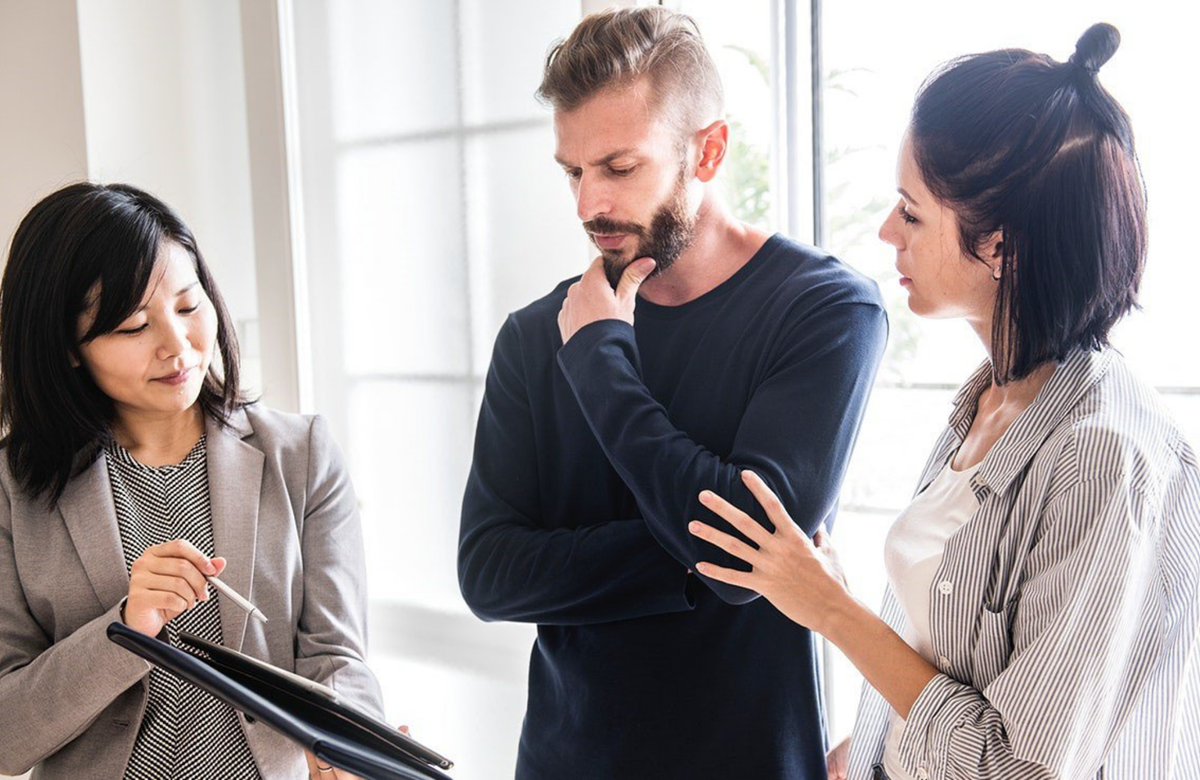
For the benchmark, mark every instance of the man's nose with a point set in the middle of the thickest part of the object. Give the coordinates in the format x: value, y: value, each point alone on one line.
x: 591, y: 199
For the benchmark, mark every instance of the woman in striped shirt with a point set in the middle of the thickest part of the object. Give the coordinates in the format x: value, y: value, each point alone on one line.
x: 1044, y: 583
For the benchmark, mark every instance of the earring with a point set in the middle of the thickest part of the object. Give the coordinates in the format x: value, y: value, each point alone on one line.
x: 996, y: 272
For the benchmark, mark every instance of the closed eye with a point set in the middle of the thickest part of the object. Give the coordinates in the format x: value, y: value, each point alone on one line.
x: 904, y: 215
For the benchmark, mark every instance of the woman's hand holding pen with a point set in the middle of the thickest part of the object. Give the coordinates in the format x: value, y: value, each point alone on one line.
x: 164, y: 582
x: 801, y: 577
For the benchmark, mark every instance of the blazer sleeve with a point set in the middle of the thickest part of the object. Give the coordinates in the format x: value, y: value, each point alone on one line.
x: 1088, y: 631
x: 50, y: 692
x: 331, y: 638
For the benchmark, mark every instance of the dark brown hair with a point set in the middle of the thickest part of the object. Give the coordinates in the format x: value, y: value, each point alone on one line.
x: 52, y: 414
x: 614, y: 48
x: 1038, y: 151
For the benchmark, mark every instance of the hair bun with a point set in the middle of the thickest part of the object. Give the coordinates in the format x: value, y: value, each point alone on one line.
x: 1095, y: 47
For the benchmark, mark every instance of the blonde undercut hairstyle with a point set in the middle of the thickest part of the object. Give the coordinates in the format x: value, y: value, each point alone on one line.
x: 613, y: 49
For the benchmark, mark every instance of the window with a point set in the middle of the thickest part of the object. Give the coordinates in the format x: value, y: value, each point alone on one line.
x: 433, y: 207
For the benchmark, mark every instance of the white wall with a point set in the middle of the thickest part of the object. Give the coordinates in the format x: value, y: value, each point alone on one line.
x: 164, y: 102
x: 42, y: 144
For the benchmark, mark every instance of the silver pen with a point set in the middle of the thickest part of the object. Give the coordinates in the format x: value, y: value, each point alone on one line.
x: 237, y: 598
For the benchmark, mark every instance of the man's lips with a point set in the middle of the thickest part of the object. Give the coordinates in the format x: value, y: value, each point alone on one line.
x: 608, y: 240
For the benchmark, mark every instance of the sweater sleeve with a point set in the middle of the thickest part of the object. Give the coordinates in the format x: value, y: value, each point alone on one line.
x: 511, y: 566
x: 797, y: 431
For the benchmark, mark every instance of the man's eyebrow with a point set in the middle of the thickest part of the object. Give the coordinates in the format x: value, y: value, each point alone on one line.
x: 605, y: 160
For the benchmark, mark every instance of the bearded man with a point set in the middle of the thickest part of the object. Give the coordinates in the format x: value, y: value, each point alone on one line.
x: 693, y: 348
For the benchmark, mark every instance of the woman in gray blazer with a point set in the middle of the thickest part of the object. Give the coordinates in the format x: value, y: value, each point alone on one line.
x: 132, y: 466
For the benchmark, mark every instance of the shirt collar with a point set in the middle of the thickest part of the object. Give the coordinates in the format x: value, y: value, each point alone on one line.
x: 1074, y: 377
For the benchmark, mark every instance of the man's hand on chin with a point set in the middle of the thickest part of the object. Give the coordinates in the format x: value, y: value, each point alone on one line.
x: 592, y: 298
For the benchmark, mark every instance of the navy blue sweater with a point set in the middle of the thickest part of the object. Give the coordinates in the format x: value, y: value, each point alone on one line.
x: 589, y: 459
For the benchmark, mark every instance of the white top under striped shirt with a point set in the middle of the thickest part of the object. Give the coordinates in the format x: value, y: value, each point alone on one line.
x: 185, y: 733
x: 912, y: 555
x: 1069, y: 621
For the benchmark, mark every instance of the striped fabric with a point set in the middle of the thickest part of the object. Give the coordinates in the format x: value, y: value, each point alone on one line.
x: 1065, y: 612
x: 185, y: 733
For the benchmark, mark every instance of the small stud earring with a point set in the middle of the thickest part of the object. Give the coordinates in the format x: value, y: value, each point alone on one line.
x: 996, y: 272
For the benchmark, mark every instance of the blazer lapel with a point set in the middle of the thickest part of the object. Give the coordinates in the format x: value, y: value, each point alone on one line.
x: 234, y: 481
x: 88, y: 511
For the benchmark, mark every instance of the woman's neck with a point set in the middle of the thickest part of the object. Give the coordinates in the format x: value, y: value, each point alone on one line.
x: 1015, y: 394
x: 159, y: 439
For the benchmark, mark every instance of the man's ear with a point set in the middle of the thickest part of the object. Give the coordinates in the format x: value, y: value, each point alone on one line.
x: 713, y: 142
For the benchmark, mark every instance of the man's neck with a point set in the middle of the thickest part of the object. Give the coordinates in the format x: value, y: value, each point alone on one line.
x: 719, y: 248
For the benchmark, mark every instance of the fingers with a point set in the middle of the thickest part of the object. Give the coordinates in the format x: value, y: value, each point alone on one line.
x: 175, y: 568
x: 768, y: 500
x: 167, y: 601
x: 182, y: 548
x: 823, y: 542
x: 635, y: 273
x: 319, y: 770
x: 729, y: 544
x: 157, y: 583
x: 742, y: 579
x: 313, y: 771
x: 736, y: 517
x: 837, y: 760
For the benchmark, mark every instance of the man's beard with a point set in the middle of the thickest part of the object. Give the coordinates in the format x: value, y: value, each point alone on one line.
x: 670, y: 233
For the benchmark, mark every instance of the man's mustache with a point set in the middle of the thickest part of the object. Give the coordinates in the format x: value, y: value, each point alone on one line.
x: 603, y: 226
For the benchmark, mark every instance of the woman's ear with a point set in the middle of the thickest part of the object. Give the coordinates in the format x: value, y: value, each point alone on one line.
x: 993, y: 253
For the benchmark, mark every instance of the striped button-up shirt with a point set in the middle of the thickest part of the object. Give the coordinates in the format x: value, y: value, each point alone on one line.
x: 1065, y: 613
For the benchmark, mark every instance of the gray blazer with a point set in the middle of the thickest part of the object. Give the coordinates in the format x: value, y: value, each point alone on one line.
x: 284, y: 515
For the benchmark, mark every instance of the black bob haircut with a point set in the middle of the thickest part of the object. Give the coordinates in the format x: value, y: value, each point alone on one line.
x: 52, y: 414
x: 1036, y: 150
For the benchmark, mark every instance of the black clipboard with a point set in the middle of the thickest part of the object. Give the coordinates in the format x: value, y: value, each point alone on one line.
x: 306, y: 712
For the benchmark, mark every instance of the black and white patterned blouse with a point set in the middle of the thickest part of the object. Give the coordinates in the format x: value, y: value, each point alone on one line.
x: 185, y: 733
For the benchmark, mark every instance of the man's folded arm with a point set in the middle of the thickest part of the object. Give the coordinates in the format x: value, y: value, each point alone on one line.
x: 511, y: 567
x: 797, y: 432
